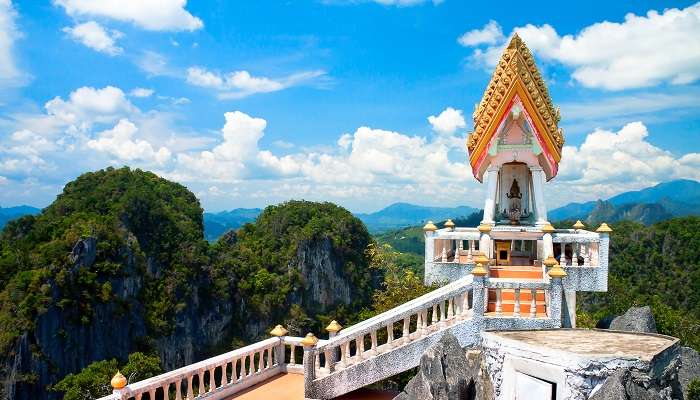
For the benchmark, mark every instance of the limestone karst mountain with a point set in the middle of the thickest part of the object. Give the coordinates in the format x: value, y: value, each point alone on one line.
x: 119, y: 264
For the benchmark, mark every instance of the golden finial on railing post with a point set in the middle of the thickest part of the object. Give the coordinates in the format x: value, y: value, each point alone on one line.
x: 450, y: 225
x: 309, y: 340
x: 604, y: 228
x: 279, y: 331
x: 333, y: 328
x: 118, y: 382
x: 579, y: 225
x: 430, y: 227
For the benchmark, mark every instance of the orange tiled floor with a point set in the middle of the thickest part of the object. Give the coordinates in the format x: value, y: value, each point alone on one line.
x: 291, y: 387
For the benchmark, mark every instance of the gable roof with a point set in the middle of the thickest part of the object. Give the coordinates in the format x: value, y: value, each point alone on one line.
x: 516, y: 75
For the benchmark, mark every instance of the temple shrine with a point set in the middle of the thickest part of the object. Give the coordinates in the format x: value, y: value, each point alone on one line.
x: 507, y: 287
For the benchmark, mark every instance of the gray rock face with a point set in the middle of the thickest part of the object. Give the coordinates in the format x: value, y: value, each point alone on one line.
x: 624, y: 384
x: 446, y: 372
x: 690, y: 368
x: 636, y: 319
x: 84, y: 252
x: 325, y: 283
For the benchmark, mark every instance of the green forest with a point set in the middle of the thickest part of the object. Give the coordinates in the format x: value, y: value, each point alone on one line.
x: 153, y: 274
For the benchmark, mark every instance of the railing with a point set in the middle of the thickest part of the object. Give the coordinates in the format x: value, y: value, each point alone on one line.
x: 519, y: 288
x: 223, y: 375
x: 406, y: 323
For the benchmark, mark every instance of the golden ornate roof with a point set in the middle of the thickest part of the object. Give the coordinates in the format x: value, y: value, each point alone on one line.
x: 516, y: 73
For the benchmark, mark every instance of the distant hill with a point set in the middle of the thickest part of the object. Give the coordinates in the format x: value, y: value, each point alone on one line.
x: 216, y: 224
x: 395, y: 216
x: 399, y: 215
x: 10, y: 213
x: 654, y: 204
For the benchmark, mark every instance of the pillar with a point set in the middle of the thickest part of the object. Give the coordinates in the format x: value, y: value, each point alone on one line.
x: 490, y: 204
x: 555, y: 301
x: 538, y: 188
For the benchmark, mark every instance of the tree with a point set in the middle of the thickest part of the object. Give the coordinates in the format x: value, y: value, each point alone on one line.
x: 94, y: 380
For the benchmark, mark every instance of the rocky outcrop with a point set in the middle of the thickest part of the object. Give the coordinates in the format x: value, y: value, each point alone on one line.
x: 690, y: 368
x: 324, y: 282
x: 626, y: 384
x: 447, y: 372
x: 636, y: 319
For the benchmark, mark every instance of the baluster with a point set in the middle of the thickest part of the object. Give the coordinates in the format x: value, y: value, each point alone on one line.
x: 329, y: 360
x: 212, y: 381
x: 586, y: 255
x: 498, y: 301
x: 139, y: 396
x: 166, y: 391
x: 465, y: 304
x: 516, y: 306
x: 317, y: 361
x: 269, y: 358
x: 390, y: 334
x: 470, y: 258
x: 178, y: 389
x: 406, y: 329
x: 562, y: 258
x: 444, y: 254
x: 200, y: 375
x: 190, y: 394
x: 348, y: 357
x: 373, y: 338
x: 234, y: 376
x: 343, y: 356
x: 292, y: 360
x: 450, y: 308
x: 574, y: 255
x: 152, y: 394
x: 360, y: 346
x: 435, y: 316
x: 533, y: 303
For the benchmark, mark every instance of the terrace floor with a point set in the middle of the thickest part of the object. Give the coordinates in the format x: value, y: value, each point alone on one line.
x: 291, y: 387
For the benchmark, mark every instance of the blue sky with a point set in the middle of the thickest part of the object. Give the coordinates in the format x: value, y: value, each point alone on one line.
x: 253, y: 103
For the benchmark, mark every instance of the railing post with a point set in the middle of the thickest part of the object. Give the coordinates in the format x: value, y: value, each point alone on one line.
x: 555, y: 299
x: 278, y: 331
x: 309, y: 343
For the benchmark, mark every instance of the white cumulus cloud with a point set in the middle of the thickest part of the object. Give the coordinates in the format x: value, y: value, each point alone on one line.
x: 120, y: 143
x: 491, y: 33
x: 448, y: 121
x: 238, y: 84
x: 87, y: 104
x: 154, y: 15
x: 641, y: 51
x: 610, y: 162
x: 141, y: 92
x: 94, y: 36
x: 10, y: 74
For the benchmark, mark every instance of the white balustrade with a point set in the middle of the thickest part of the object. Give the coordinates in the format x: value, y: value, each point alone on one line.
x: 445, y: 306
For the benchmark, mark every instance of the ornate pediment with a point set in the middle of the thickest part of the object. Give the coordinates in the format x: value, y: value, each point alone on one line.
x: 516, y: 75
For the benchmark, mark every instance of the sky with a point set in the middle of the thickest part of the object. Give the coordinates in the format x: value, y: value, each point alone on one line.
x: 359, y: 102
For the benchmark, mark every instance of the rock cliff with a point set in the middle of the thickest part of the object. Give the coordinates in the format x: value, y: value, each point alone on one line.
x: 118, y: 264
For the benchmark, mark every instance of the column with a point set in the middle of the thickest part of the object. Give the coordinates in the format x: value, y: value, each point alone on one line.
x: 538, y: 188
x: 490, y: 204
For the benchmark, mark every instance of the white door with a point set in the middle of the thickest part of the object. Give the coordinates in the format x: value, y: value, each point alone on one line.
x: 528, y: 387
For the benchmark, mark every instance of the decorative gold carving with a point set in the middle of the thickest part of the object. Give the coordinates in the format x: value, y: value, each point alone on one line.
x: 516, y: 63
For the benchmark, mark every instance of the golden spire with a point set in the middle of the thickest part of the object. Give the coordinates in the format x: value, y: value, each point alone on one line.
x: 278, y: 331
x: 430, y: 227
x: 604, y: 228
x: 334, y: 327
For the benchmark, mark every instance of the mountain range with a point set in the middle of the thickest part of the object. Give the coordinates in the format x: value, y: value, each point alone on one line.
x: 657, y: 203
x: 10, y: 213
x: 650, y: 205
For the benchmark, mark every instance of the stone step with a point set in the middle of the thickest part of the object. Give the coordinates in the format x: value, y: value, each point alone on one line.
x: 516, y: 272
